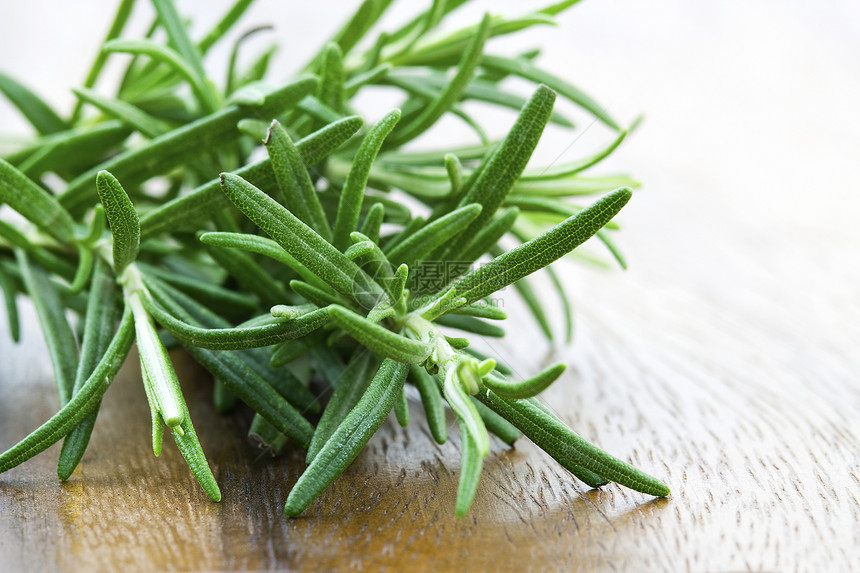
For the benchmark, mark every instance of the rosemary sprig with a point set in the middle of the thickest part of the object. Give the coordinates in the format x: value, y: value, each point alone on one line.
x: 252, y: 265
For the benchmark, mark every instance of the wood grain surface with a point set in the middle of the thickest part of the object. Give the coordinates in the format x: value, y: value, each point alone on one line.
x: 724, y: 361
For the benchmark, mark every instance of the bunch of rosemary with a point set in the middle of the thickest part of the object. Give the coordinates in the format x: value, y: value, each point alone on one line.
x: 308, y: 254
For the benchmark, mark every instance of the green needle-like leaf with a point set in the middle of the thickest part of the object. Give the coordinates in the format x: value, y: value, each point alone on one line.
x: 84, y: 270
x: 233, y: 82
x: 526, y: 290
x: 124, y: 224
x: 471, y: 462
x: 352, y: 195
x: 378, y: 338
x: 350, y: 437
x: 261, y: 246
x: 401, y: 409
x: 471, y: 324
x: 310, y: 249
x: 239, y: 337
x: 348, y: 390
x: 481, y: 309
x: 431, y: 398
x: 373, y: 222
x: 331, y: 91
x: 567, y: 307
x: 34, y: 203
x: 224, y: 25
x: 318, y: 110
x: 9, y: 289
x: 179, y: 145
x: 568, y: 448
x: 60, y: 340
x: 294, y: 181
x: 452, y: 92
x: 504, y: 167
x: 572, y: 168
x: 455, y: 173
x: 171, y: 58
x: 419, y: 244
x: 98, y: 331
x: 463, y: 406
x: 189, y: 446
x: 155, y: 417
x: 525, y: 388
x: 81, y: 403
x: 396, y: 285
x: 128, y: 113
x: 156, y: 364
x: 524, y: 69
x: 541, y: 251
x: 37, y: 112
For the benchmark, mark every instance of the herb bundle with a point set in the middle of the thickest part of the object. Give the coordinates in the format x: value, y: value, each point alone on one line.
x: 146, y: 214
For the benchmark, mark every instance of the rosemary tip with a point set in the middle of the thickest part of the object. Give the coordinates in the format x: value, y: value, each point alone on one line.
x: 292, y: 509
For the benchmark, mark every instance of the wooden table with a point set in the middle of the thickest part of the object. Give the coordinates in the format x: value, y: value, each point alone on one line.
x: 724, y: 361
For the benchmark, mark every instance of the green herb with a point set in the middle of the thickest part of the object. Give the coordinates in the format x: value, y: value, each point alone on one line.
x: 304, y: 257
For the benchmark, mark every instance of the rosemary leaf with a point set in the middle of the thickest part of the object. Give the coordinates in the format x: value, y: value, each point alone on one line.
x: 348, y: 390
x: 350, y: 437
x: 34, y: 203
x: 31, y: 106
x: 306, y: 246
x: 124, y: 224
x: 98, y: 330
x: 81, y: 404
x: 177, y: 146
x: 431, y: 397
x: 352, y: 195
x: 208, y: 197
x: 378, y: 338
x: 506, y: 164
x: 541, y: 251
x: 62, y: 347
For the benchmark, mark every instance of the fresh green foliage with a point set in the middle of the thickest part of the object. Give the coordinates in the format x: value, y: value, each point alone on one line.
x: 347, y: 252
x: 98, y: 329
x: 124, y: 224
